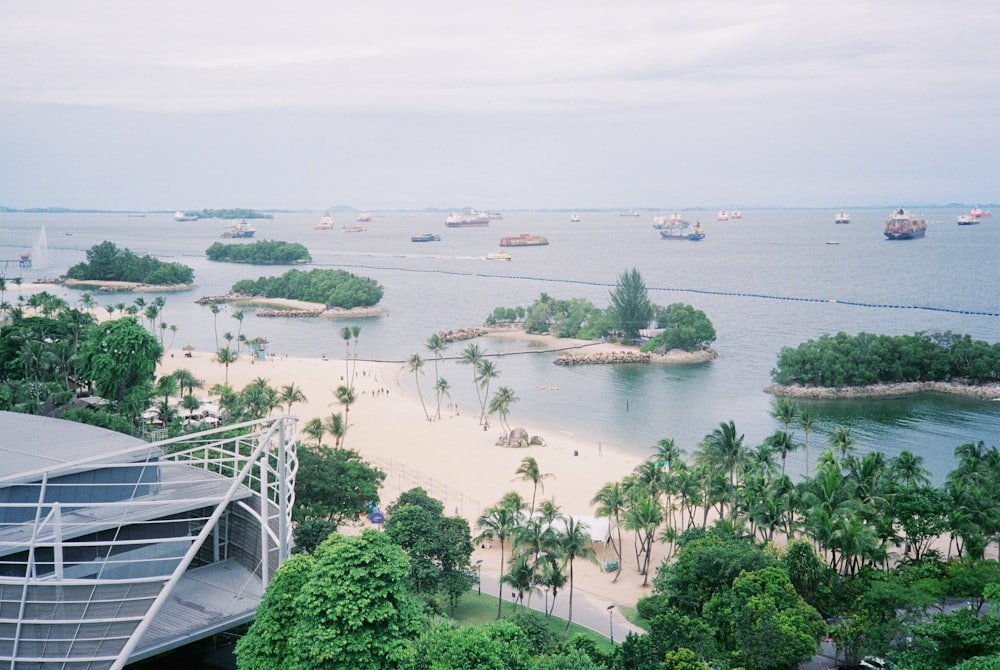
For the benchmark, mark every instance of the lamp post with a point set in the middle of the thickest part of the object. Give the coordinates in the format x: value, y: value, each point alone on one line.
x: 479, y: 576
x: 546, y: 589
x: 611, y: 622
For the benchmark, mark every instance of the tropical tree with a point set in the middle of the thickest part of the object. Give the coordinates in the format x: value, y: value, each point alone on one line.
x: 500, y: 405
x: 315, y: 429
x: 225, y: 355
x: 486, y: 371
x: 840, y: 439
x: 290, y: 394
x: 530, y: 472
x: 336, y: 426
x: 416, y: 365
x: 724, y: 445
x: 498, y: 523
x: 610, y: 502
x: 120, y: 357
x: 807, y: 422
x: 442, y: 389
x: 631, y: 309
x: 436, y: 345
x: 345, y: 396
x: 573, y: 543
x: 781, y: 443
x: 214, y: 308
x: 472, y: 356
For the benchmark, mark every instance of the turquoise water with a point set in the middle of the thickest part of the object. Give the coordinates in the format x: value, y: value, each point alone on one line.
x: 766, y: 281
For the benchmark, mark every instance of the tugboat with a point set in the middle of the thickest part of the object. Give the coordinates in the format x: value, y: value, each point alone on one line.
x: 968, y: 220
x: 902, y: 226
x: 240, y: 230
x: 693, y: 233
x: 722, y: 216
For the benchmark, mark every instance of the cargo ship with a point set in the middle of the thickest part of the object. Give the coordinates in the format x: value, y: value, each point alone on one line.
x: 842, y: 217
x: 674, y: 220
x: 426, y: 237
x: 471, y: 219
x: 240, y: 230
x: 524, y: 240
x: 902, y: 226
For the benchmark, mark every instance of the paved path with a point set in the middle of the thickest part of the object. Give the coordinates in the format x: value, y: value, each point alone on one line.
x: 588, y: 610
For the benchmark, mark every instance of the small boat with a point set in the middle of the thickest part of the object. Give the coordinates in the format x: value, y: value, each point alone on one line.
x: 364, y: 217
x: 736, y: 215
x: 524, y: 240
x: 574, y: 218
x: 687, y: 233
x: 832, y: 242
x: 494, y: 215
x: 722, y: 216
x: 502, y: 256
x: 842, y: 217
x: 901, y: 225
x: 240, y: 230
x: 467, y: 219
x: 628, y: 212
x: 426, y: 237
x: 184, y: 216
x: 968, y: 220
x: 353, y: 229
x: 325, y: 223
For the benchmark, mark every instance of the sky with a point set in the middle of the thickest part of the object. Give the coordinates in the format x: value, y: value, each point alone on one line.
x: 309, y: 104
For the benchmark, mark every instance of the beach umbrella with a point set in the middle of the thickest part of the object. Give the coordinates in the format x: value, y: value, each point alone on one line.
x: 188, y: 347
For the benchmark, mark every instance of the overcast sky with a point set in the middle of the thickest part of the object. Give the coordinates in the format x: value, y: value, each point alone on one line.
x: 538, y: 104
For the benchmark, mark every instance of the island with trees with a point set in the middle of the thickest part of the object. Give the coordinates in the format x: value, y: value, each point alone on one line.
x: 673, y: 328
x: 107, y: 263
x: 229, y: 214
x: 865, y: 364
x: 328, y: 288
x: 261, y: 252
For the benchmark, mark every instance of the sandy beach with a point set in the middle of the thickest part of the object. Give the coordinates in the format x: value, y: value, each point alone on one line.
x: 452, y: 458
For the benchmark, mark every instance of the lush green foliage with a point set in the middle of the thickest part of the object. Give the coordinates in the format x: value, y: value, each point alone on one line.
x: 630, y: 309
x: 333, y: 288
x: 236, y: 213
x: 684, y: 327
x: 334, y: 484
x: 846, y: 360
x: 347, y: 606
x: 500, y: 645
x: 106, y: 262
x: 439, y: 547
x: 261, y: 252
x: 120, y: 357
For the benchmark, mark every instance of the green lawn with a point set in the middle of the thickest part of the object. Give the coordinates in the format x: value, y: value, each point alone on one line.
x: 474, y: 609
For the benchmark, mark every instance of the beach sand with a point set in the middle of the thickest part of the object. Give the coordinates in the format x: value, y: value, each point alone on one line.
x: 452, y: 458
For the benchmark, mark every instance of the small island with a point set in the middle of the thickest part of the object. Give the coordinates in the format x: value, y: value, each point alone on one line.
x: 261, y: 252
x: 110, y: 268
x: 619, y: 334
x: 232, y: 214
x: 867, y: 365
x: 297, y: 293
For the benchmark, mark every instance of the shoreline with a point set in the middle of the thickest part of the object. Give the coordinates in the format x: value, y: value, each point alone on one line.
x: 288, y: 307
x: 452, y: 458
x: 601, y: 353
x: 109, y: 286
x: 890, y: 390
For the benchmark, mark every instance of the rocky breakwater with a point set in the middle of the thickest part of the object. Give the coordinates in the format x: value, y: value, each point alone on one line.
x: 462, y: 334
x: 289, y: 312
x: 603, y: 357
x: 954, y: 387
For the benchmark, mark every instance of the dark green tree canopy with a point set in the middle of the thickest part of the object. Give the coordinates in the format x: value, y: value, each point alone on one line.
x: 630, y: 309
x: 334, y: 484
x: 120, y: 357
x: 261, y: 252
x: 107, y: 262
x: 684, y: 327
x: 333, y: 288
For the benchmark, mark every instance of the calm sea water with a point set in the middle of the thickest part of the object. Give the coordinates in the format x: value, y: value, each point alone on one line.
x: 743, y: 276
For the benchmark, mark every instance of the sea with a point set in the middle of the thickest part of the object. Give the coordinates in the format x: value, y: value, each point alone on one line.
x: 772, y: 279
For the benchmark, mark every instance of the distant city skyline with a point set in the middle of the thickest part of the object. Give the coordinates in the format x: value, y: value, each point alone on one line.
x: 562, y: 105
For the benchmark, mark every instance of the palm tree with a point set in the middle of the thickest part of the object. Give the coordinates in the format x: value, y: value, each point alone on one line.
x: 785, y: 410
x: 416, y: 364
x: 500, y: 405
x: 520, y: 576
x: 345, y: 396
x: 436, y: 345
x: 644, y: 515
x: 345, y: 334
x: 214, y: 308
x: 186, y: 380
x: 315, y: 429
x: 190, y: 403
x: 909, y: 469
x: 336, y: 426
x: 472, y: 356
x: 290, y: 394
x: 723, y: 444
x: 574, y: 543
x: 807, y: 421
x: 486, y: 371
x: 610, y: 502
x: 530, y: 472
x: 781, y: 443
x: 841, y: 439
x: 498, y: 523
x: 442, y: 388
x: 225, y: 355
x: 238, y: 315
